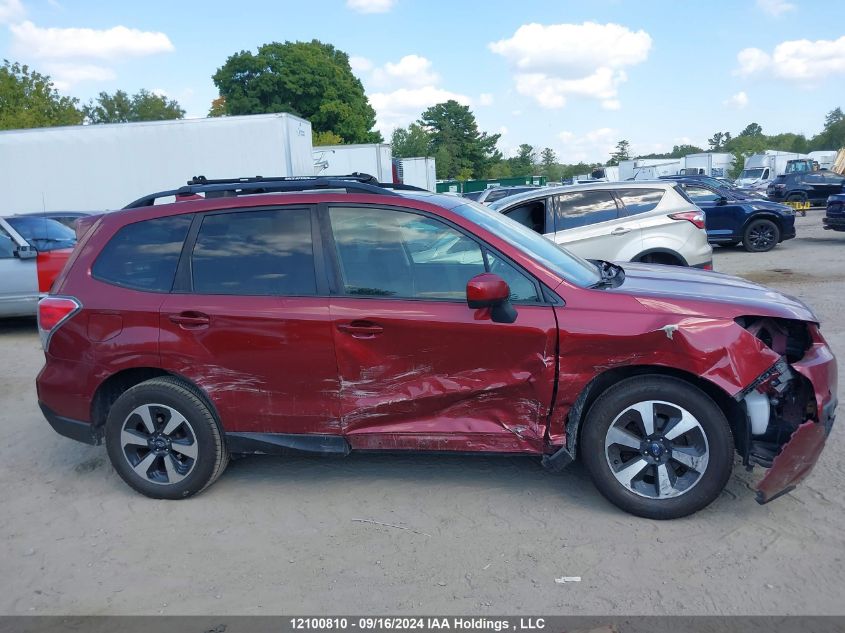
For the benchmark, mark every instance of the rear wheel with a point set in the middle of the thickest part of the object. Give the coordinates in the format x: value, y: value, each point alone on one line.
x: 163, y: 439
x: 657, y: 447
x: 761, y: 236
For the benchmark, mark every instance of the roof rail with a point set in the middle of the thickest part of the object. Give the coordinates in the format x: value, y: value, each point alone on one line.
x: 230, y: 187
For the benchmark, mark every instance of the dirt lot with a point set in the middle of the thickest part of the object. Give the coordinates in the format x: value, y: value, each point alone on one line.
x: 483, y: 535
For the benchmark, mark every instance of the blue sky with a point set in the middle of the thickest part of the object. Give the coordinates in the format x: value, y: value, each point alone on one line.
x: 575, y: 76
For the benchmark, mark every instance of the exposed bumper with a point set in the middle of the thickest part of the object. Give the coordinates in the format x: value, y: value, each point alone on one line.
x: 74, y: 429
x: 800, y: 454
x: 834, y: 224
x: 708, y: 265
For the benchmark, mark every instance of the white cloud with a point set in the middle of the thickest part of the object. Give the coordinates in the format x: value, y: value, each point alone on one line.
x: 370, y: 6
x: 737, y: 101
x: 11, y: 11
x: 404, y: 105
x: 556, y: 61
x: 594, y: 146
x: 411, y: 70
x: 160, y: 92
x: 29, y: 40
x: 801, y: 61
x: 66, y: 75
x: 360, y: 64
x: 485, y: 99
x: 775, y: 8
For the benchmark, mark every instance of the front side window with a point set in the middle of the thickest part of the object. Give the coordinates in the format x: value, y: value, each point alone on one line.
x: 582, y: 208
x: 144, y: 255
x: 640, y: 200
x: 531, y: 214
x: 700, y: 194
x: 523, y: 290
x: 267, y: 252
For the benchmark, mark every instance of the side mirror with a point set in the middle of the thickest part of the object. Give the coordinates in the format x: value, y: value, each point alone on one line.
x: 488, y: 290
x: 721, y: 200
x: 26, y: 252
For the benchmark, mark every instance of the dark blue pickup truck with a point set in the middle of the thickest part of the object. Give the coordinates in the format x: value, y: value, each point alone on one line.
x: 732, y: 217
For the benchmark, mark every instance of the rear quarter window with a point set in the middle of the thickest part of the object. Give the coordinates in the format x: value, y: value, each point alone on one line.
x: 144, y: 255
x: 638, y: 201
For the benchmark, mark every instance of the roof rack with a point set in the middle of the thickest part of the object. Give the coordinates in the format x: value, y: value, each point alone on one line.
x: 230, y: 187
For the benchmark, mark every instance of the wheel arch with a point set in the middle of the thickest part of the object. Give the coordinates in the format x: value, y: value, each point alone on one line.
x: 662, y: 251
x: 762, y: 215
x: 733, y: 411
x: 115, y: 385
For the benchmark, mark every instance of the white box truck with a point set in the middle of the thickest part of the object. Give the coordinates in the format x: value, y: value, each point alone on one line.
x: 103, y: 167
x: 648, y: 168
x: 375, y: 159
x: 761, y: 169
x: 716, y: 164
x: 417, y: 172
x: 825, y: 158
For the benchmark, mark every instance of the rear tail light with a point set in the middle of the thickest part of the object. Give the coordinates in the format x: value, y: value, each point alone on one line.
x: 52, y: 312
x: 696, y: 217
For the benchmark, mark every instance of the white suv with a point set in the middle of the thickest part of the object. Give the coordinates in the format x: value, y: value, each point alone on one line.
x: 644, y: 221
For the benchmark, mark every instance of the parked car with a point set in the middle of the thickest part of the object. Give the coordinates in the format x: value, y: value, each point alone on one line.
x: 68, y: 218
x: 184, y: 333
x: 643, y: 221
x: 488, y: 196
x: 804, y: 187
x: 32, y: 252
x: 732, y: 218
x: 722, y: 183
x: 834, y: 218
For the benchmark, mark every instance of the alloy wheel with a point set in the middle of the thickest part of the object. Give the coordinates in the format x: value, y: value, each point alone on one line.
x: 657, y: 449
x: 762, y: 236
x: 159, y: 444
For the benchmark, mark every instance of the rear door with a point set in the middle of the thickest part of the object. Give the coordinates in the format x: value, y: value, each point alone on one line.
x: 18, y: 277
x: 590, y: 224
x: 723, y: 221
x: 248, y: 320
x: 418, y: 368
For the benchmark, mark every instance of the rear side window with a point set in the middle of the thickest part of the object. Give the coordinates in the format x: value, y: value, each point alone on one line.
x: 584, y: 207
x: 43, y: 234
x: 144, y: 255
x: 267, y: 252
x: 640, y: 200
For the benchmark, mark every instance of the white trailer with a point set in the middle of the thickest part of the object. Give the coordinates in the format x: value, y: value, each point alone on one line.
x: 418, y: 172
x: 716, y: 164
x: 825, y: 158
x: 375, y: 159
x: 103, y: 167
x: 761, y: 169
x: 649, y: 168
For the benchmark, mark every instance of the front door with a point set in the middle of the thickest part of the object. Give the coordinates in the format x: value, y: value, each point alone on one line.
x: 249, y: 322
x: 18, y: 277
x: 589, y: 224
x: 418, y: 368
x: 723, y: 220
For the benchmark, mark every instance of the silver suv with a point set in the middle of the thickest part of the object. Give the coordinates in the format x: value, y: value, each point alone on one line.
x: 645, y: 221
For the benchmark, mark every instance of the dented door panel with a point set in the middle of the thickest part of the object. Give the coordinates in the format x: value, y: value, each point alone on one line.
x: 430, y: 375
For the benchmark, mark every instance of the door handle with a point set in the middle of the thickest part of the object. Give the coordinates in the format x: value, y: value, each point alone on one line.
x: 190, y: 320
x: 361, y: 329
x: 620, y: 230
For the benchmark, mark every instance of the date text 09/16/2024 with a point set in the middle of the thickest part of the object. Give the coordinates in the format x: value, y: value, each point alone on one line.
x: 416, y: 623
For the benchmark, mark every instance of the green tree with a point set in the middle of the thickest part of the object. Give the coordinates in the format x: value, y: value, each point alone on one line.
x: 28, y: 99
x: 623, y: 152
x: 121, y: 108
x: 833, y: 134
x: 548, y: 163
x: 310, y: 79
x: 753, y: 130
x: 325, y: 138
x: 523, y: 163
x: 718, y: 141
x: 454, y: 132
x: 410, y: 142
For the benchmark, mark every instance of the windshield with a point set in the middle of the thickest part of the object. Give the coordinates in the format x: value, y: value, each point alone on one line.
x: 558, y: 260
x: 752, y: 173
x: 43, y: 234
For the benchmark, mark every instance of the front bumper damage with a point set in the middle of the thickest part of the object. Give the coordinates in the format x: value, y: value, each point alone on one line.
x: 799, y: 391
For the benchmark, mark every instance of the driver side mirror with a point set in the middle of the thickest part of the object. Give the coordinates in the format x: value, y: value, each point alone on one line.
x: 26, y: 252
x: 721, y: 200
x: 490, y: 291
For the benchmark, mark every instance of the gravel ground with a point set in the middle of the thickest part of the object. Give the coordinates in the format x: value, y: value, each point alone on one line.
x: 481, y: 535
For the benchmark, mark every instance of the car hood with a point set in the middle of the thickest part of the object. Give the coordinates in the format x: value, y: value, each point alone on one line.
x: 762, y: 205
x: 675, y: 289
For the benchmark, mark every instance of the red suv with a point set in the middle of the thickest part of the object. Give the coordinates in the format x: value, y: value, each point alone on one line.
x: 331, y: 315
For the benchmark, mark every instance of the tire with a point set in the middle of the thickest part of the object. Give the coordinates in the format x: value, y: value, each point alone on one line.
x: 761, y: 236
x: 164, y: 440
x: 675, y: 405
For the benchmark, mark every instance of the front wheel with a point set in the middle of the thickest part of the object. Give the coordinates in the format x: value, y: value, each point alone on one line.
x: 761, y: 236
x: 163, y: 439
x: 657, y: 447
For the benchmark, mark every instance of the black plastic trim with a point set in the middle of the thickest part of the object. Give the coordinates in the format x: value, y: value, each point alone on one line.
x: 74, y: 429
x: 283, y: 443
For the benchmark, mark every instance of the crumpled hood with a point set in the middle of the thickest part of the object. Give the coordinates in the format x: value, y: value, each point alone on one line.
x: 675, y: 289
